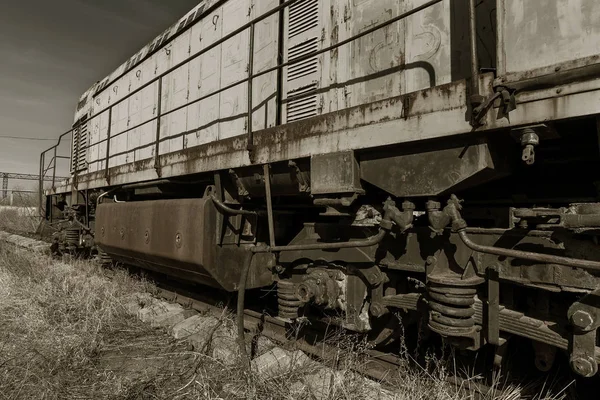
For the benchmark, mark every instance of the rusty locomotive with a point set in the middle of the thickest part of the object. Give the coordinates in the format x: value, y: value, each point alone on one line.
x: 368, y: 157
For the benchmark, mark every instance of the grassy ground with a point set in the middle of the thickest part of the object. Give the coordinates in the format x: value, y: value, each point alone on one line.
x: 18, y: 220
x: 65, y: 333
x: 22, y: 216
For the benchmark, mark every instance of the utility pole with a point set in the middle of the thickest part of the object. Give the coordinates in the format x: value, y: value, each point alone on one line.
x: 4, y: 184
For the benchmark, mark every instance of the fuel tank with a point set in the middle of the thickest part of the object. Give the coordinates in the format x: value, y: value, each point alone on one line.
x: 179, y: 238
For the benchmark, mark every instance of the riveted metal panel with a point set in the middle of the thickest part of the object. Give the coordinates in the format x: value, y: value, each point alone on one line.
x: 178, y: 237
x: 543, y: 37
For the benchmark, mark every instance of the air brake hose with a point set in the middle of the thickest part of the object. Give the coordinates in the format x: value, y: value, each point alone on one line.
x: 459, y: 225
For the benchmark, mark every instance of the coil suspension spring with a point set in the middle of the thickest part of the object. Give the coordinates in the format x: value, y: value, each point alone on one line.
x: 72, y: 237
x: 451, y: 303
x: 288, y: 303
x: 103, y: 258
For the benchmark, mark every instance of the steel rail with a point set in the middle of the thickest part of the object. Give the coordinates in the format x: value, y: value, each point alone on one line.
x: 378, y: 365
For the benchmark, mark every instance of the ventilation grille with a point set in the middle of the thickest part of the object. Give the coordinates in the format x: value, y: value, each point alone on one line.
x: 302, y: 103
x: 305, y: 67
x: 304, y: 15
x: 80, y: 145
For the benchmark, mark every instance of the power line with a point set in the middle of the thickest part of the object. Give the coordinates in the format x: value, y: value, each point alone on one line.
x: 26, y: 138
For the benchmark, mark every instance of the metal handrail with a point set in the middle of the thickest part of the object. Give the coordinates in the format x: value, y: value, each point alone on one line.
x: 251, y: 76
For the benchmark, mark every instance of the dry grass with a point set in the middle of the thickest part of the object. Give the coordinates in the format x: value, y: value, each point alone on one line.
x: 65, y: 333
x: 19, y: 219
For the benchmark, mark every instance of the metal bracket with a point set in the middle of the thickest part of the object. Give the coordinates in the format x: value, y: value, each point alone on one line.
x: 584, y: 315
x: 493, y: 306
x: 303, y: 185
x: 242, y: 191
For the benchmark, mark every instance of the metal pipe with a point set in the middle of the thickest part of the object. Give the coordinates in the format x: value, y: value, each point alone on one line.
x: 474, y: 56
x: 228, y: 210
x: 372, y: 241
x: 41, y: 184
x: 103, y: 195
x: 250, y: 139
x: 108, y: 133
x: 145, y: 184
x: 158, y: 115
x: 54, y: 170
x: 267, y: 173
x: 528, y: 255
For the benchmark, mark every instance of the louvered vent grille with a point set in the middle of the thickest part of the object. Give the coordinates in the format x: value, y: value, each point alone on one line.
x: 80, y: 145
x: 305, y: 67
x: 302, y: 103
x: 303, y: 77
x: 304, y: 15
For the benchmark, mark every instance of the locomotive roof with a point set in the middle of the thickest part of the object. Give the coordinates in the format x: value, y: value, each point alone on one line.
x: 203, y: 8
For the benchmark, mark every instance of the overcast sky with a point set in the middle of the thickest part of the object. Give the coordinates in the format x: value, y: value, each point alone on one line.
x: 51, y: 51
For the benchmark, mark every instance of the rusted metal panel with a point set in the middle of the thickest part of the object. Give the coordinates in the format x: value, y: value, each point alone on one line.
x: 535, y: 37
x: 432, y: 172
x: 436, y: 112
x: 370, y: 68
x: 178, y: 236
x: 334, y: 173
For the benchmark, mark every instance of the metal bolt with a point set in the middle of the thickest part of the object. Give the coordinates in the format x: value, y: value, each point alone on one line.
x: 582, y: 320
x: 584, y: 367
x: 280, y: 269
x: 375, y: 278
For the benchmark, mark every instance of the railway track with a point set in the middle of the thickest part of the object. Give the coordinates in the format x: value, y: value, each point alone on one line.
x: 376, y: 365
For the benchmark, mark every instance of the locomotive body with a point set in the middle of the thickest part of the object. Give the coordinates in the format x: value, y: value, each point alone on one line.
x: 323, y: 147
